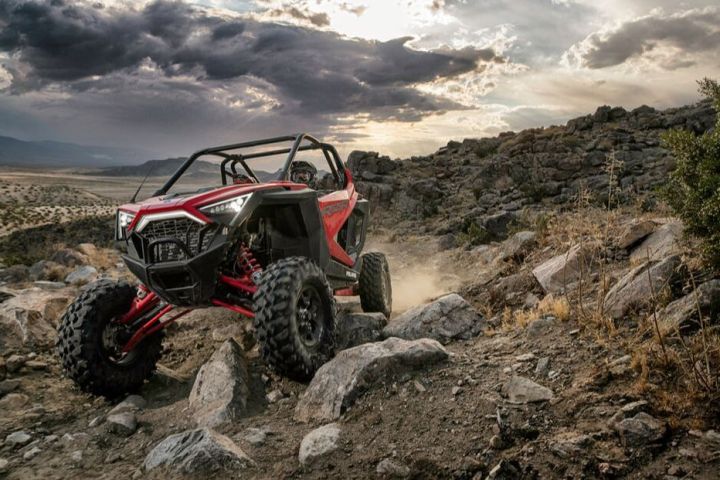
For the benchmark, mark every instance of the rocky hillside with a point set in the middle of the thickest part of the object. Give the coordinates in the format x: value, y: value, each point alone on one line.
x: 536, y: 333
x: 470, y: 182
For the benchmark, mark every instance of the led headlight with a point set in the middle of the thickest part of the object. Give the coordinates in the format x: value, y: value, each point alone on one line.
x: 124, y: 219
x: 232, y: 205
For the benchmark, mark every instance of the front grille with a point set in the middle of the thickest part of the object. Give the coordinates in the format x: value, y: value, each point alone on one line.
x: 174, y: 233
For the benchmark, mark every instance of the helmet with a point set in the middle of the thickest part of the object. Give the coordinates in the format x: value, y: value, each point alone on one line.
x: 303, y: 172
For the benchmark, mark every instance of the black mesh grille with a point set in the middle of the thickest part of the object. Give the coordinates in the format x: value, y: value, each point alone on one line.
x: 174, y: 233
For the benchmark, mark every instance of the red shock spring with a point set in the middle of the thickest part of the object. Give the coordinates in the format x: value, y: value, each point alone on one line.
x: 247, y: 261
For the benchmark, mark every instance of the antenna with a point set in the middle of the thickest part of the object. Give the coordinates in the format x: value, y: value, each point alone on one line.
x: 149, y: 170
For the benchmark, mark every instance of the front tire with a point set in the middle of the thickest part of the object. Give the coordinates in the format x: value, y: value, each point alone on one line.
x: 88, y: 343
x: 374, y: 284
x: 295, y: 318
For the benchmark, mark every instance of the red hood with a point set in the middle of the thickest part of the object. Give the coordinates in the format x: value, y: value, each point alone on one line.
x: 191, y: 203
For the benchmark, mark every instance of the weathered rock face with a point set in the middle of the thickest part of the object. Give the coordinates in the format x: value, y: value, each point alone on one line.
x: 82, y: 275
x: 640, y: 429
x: 635, y: 232
x: 319, y: 443
x: 339, y: 382
x: 15, y: 274
x: 637, y: 288
x: 69, y: 257
x: 358, y: 328
x: 683, y: 313
x: 663, y: 242
x: 199, y: 451
x: 518, y: 246
x: 30, y: 317
x: 220, y: 392
x: 564, y: 270
x: 447, y: 318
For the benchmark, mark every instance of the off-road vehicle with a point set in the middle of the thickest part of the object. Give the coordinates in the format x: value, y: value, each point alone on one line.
x: 276, y: 251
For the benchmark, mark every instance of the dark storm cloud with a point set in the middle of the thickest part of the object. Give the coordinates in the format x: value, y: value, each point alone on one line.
x: 315, y: 71
x: 692, y: 31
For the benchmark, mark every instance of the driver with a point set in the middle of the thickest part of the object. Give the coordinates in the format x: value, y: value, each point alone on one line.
x: 303, y: 172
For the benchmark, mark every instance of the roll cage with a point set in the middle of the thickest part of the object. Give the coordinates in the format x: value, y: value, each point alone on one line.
x: 231, y: 158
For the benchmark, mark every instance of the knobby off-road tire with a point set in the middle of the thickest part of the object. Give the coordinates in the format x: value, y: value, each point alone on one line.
x: 82, y: 342
x: 375, y: 287
x: 292, y: 341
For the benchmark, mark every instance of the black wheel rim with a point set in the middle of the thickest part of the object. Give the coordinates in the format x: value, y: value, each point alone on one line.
x: 112, y: 338
x: 310, y: 316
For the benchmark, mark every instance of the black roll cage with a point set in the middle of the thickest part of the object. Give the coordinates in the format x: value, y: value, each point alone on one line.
x: 336, y: 165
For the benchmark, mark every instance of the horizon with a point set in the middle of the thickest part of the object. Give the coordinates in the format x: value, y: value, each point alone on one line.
x: 401, y: 78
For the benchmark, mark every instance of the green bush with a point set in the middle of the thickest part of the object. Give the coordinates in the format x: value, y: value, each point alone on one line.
x: 693, y: 190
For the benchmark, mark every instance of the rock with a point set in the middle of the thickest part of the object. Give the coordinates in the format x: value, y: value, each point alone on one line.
x: 540, y: 327
x: 497, y: 225
x: 133, y: 403
x: 562, y: 271
x: 525, y: 357
x: 634, y: 232
x: 7, y: 386
x: 96, y: 422
x: 518, y: 246
x: 3, y: 465
x: 569, y: 444
x: 542, y: 366
x: 199, y: 451
x: 390, y: 468
x: 13, y: 401
x: 640, y: 430
x: 32, y: 453
x: 683, y: 313
x: 255, y: 436
x: 30, y: 318
x: 124, y: 423
x: 82, y: 275
x: 628, y: 410
x: 15, y: 274
x: 3, y: 370
x: 523, y: 390
x: 220, y: 392
x: 76, y: 456
x: 46, y: 270
x: 339, y: 382
x: 663, y: 242
x: 48, y: 285
x: 69, y: 257
x: 637, y: 288
x: 358, y: 328
x: 17, y: 439
x: 319, y: 443
x: 448, y: 318
x: 14, y: 363
x: 275, y: 396
x: 87, y: 249
x: 505, y: 470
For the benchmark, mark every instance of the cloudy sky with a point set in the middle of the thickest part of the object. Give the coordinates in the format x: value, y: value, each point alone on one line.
x: 399, y: 76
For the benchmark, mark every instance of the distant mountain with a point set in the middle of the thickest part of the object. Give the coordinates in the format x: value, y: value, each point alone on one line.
x: 59, y: 154
x: 165, y: 168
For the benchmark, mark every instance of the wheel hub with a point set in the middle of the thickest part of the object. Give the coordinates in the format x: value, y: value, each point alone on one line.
x: 310, y: 318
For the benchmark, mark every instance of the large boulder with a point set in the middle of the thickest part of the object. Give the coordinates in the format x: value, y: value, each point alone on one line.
x: 663, y: 242
x: 47, y: 270
x: 338, y: 383
x: 29, y: 318
x: 69, y: 257
x: 82, y: 275
x: 358, y: 328
x: 563, y: 271
x: 638, y: 287
x: 220, y: 392
x: 517, y: 246
x: 319, y: 443
x: 498, y: 225
x: 200, y: 451
x: 683, y: 313
x: 634, y: 232
x: 448, y: 318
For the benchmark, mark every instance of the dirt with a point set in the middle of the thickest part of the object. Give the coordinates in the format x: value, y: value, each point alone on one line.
x: 439, y: 421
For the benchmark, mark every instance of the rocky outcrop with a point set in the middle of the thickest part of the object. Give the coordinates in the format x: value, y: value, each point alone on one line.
x: 663, y: 242
x: 684, y: 313
x: 563, y: 271
x: 639, y: 286
x: 448, y: 318
x: 200, y: 451
x: 339, y: 382
x: 221, y: 390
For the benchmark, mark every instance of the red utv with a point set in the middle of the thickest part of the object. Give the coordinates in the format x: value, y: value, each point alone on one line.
x: 275, y: 251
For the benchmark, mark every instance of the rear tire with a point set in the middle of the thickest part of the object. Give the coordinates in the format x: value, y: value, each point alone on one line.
x: 295, y: 317
x: 86, y: 345
x: 375, y: 287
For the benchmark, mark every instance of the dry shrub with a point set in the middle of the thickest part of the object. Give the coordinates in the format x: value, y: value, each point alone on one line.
x: 558, y: 307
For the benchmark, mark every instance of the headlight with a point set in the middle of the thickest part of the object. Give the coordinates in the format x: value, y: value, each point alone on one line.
x: 124, y: 219
x: 232, y: 205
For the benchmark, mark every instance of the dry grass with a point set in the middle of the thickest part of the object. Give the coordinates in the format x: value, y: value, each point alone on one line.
x: 558, y: 307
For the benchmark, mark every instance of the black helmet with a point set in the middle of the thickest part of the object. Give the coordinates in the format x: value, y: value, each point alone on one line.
x: 302, y: 172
